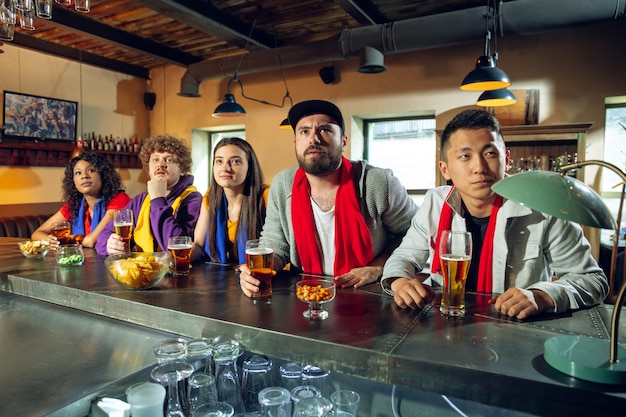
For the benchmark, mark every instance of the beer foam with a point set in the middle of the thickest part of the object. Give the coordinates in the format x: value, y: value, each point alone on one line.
x: 259, y: 251
x: 180, y: 246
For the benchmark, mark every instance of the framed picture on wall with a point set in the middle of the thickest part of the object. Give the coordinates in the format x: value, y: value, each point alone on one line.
x: 36, y: 117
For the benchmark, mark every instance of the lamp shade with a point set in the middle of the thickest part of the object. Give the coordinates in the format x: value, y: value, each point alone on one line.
x: 229, y: 108
x: 285, y: 125
x: 496, y: 98
x: 486, y: 76
x: 557, y: 195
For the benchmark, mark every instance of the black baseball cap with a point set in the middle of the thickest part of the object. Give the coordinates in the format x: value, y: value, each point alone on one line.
x: 309, y: 107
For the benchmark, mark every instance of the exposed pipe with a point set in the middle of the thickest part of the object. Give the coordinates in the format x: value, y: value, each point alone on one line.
x: 520, y: 16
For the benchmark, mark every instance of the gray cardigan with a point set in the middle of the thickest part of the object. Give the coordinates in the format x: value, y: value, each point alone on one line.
x: 385, y: 204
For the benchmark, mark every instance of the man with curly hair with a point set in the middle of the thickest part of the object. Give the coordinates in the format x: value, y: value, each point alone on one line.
x: 171, y: 205
x: 92, y: 193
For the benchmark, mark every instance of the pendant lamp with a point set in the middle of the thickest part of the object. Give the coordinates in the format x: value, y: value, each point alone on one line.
x: 496, y: 98
x: 486, y: 76
x: 285, y: 125
x: 229, y: 107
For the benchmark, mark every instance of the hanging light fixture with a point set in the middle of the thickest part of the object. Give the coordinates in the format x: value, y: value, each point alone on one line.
x: 486, y: 75
x: 285, y: 125
x: 230, y: 108
x: 495, y: 98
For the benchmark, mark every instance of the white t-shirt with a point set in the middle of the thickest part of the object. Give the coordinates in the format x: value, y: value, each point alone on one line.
x: 325, y: 226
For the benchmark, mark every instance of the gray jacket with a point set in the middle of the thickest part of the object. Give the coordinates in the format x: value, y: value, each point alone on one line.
x: 385, y: 204
x: 529, y: 248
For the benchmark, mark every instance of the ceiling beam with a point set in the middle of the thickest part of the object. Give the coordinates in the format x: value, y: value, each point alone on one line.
x: 90, y: 27
x: 203, y: 16
x: 80, y: 56
x: 363, y: 11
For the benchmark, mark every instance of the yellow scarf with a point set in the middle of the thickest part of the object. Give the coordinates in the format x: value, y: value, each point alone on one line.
x: 143, y: 232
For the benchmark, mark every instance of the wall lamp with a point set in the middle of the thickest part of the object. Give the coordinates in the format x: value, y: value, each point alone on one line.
x: 230, y: 108
x: 567, y: 198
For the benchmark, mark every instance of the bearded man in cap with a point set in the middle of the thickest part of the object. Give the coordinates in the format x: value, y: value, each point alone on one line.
x: 329, y: 215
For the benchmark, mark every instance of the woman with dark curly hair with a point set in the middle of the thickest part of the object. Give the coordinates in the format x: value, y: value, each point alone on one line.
x: 169, y: 208
x: 92, y: 192
x: 233, y: 208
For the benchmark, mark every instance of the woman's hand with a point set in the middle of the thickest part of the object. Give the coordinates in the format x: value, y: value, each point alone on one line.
x: 54, y: 242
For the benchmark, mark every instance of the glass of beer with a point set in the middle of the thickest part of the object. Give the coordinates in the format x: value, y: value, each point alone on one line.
x: 455, y: 254
x: 260, y: 260
x: 61, y: 230
x: 180, y: 248
x: 123, y: 223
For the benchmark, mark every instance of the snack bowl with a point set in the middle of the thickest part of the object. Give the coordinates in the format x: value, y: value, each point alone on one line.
x: 70, y: 255
x: 316, y: 292
x: 138, y: 270
x: 34, y: 248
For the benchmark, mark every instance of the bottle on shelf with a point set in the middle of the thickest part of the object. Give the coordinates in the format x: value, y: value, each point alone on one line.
x: 136, y: 145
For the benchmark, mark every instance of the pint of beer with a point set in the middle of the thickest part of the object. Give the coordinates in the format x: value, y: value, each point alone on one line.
x: 180, y: 247
x: 455, y: 254
x: 123, y: 223
x: 260, y: 260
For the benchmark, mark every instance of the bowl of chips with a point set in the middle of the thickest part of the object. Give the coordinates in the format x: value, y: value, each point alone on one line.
x: 138, y: 270
x: 34, y: 248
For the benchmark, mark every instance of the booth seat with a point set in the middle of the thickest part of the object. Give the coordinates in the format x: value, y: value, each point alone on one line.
x: 21, y: 226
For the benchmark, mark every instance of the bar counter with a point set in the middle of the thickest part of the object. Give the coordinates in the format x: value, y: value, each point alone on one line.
x: 484, y: 357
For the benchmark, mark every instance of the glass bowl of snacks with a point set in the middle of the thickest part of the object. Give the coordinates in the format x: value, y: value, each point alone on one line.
x: 316, y: 292
x: 138, y: 270
x: 34, y: 248
x: 70, y: 255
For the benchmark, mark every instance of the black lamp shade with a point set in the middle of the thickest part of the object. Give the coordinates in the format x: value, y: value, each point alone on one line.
x: 495, y: 98
x: 285, y: 125
x: 486, y: 76
x: 229, y: 108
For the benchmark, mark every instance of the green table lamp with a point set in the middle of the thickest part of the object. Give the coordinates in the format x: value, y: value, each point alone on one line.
x: 567, y: 198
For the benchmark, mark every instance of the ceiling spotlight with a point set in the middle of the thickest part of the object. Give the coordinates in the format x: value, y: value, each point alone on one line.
x: 372, y: 61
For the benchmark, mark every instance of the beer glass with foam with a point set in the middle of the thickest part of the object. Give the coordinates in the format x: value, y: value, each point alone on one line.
x: 123, y: 223
x: 455, y: 254
x: 180, y: 247
x: 260, y: 260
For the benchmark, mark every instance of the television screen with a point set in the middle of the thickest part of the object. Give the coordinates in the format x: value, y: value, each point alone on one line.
x: 35, y: 117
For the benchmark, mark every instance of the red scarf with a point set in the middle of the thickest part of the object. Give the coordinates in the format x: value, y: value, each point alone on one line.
x: 485, y: 273
x: 353, y: 242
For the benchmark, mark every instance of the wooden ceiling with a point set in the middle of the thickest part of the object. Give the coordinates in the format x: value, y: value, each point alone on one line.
x: 134, y: 36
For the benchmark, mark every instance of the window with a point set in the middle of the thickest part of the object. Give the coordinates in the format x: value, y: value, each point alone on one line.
x: 203, y: 142
x: 614, y: 142
x: 407, y: 146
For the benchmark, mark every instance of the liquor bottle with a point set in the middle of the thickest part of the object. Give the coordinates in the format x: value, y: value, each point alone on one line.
x: 92, y: 141
x: 125, y: 145
x: 136, y: 145
x: 118, y: 145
